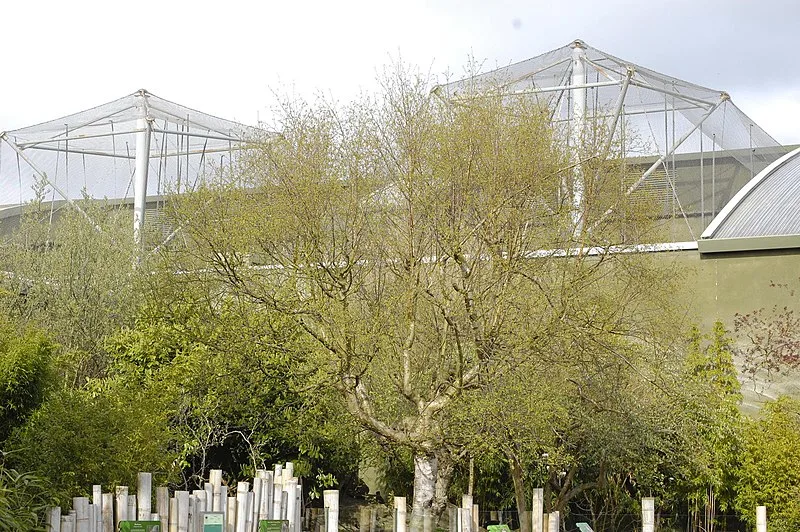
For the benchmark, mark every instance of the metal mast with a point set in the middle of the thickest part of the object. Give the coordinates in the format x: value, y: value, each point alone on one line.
x: 578, y: 124
x: 143, y: 131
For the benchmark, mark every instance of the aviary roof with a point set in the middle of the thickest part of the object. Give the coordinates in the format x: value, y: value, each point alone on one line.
x: 648, y: 96
x: 92, y: 152
x: 767, y: 206
x: 655, y: 117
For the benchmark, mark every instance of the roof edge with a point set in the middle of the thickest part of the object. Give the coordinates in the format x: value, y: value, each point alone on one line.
x: 748, y: 243
x: 743, y: 193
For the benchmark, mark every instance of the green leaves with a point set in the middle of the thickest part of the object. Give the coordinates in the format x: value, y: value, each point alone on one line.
x: 23, y: 500
x: 26, y: 375
x: 79, y: 437
x: 769, y: 473
x: 71, y: 281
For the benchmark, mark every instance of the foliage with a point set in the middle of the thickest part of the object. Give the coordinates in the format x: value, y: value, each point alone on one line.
x: 25, y: 374
x: 710, y: 361
x: 769, y: 474
x: 23, y: 500
x: 102, y: 435
x: 601, y: 435
x: 418, y: 247
x: 236, y: 385
x: 708, y: 435
x: 713, y: 409
x: 71, y: 279
x: 165, y: 384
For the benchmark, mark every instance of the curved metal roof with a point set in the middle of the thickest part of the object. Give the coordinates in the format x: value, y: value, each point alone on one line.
x: 766, y: 207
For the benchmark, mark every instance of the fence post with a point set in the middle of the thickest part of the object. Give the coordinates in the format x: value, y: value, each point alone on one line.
x: 97, y: 495
x: 648, y: 514
x: 215, y: 478
x: 466, y: 514
x: 454, y: 519
x: 537, y: 510
x: 122, y: 506
x: 266, y: 496
x: 230, y: 513
x: 132, y: 507
x: 761, y: 519
x: 331, y: 503
x: 241, y: 506
x: 277, y: 492
x: 162, y: 506
x: 108, y: 512
x: 54, y: 519
x: 144, y: 488
x: 258, y: 493
x: 399, y: 514
x: 97, y: 501
x: 173, y: 514
x: 298, y: 506
x: 290, y: 488
x: 554, y: 522
x: 81, y: 507
x: 182, y: 500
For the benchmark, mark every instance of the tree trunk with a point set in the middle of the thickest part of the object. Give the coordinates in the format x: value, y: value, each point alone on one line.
x: 425, y: 473
x: 432, y: 476
x: 444, y: 475
x: 519, y: 494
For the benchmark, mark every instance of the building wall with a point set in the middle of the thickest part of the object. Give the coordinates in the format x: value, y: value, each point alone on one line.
x: 720, y: 285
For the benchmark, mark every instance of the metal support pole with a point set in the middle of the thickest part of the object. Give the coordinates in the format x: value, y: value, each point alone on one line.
x: 142, y: 167
x: 617, y: 111
x: 684, y: 97
x: 536, y: 90
x: 713, y: 175
x: 578, y: 130
x: 702, y: 184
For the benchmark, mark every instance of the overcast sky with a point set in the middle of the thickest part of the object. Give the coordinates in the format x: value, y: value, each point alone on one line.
x: 225, y: 57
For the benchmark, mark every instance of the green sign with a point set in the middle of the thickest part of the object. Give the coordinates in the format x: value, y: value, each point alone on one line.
x: 140, y: 526
x: 273, y: 526
x: 498, y: 528
x: 213, y: 522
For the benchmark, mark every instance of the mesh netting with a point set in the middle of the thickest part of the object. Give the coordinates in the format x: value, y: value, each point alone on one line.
x: 695, y: 146
x: 93, y: 152
x: 704, y: 146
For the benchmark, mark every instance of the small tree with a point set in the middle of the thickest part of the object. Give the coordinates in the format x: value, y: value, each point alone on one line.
x: 770, y: 338
x: 769, y: 474
x: 71, y: 279
x: 715, y: 423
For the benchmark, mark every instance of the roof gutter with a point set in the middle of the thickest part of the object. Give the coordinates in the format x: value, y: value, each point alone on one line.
x: 751, y: 243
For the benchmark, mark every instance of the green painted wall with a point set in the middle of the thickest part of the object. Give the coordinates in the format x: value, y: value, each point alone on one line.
x: 718, y: 285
